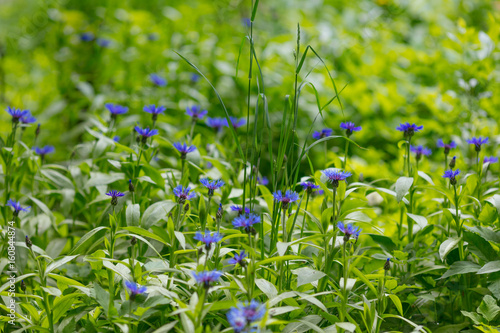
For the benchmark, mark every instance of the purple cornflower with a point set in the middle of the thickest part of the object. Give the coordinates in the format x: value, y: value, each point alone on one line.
x: 116, y: 138
x: 145, y: 133
x: 409, y: 129
x: 116, y: 109
x: 183, y: 194
x: 17, y: 114
x: 238, y: 259
x: 246, y: 221
x: 103, y: 42
x: 243, y: 315
x: 196, y: 112
x: 287, y: 198
x: 207, y: 278
x: 322, y: 134
x: 263, y: 181
x: 155, y: 111
x: 184, y: 149
x: 446, y: 146
x: 114, y: 194
x: 44, y: 151
x: 336, y: 175
x: 134, y: 289
x: 239, y: 209
x: 208, y: 238
x: 349, y: 230
x: 452, y: 176
x: 87, y: 37
x: 309, y: 186
x: 217, y: 123
x: 158, y: 80
x: 477, y: 142
x: 27, y: 118
x: 17, y: 207
x: 490, y: 160
x: 237, y: 123
x: 350, y: 127
x: 419, y: 151
x: 195, y: 77
x: 212, y: 185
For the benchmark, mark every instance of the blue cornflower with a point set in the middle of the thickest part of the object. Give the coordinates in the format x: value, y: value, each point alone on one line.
x: 27, y: 118
x: 490, y: 160
x: 350, y: 127
x: 212, y: 185
x: 336, y: 175
x: 238, y: 259
x: 17, y: 207
x: 246, y: 221
x: 134, y: 289
x: 208, y: 238
x: 145, y: 133
x: 243, y: 315
x: 207, y: 278
x: 155, y: 111
x: 103, y: 42
x: 16, y: 114
x: 152, y: 36
x: 322, y: 134
x: 409, y: 129
x: 263, y: 181
x: 217, y: 123
x: 44, y: 150
x: 195, y: 77
x: 184, y: 149
x: 237, y: 123
x: 239, y: 209
x: 87, y: 37
x: 309, y: 186
x: 116, y: 138
x: 196, y: 112
x: 446, y: 146
x: 419, y: 151
x: 246, y: 22
x: 477, y: 142
x: 158, y: 80
x: 183, y: 193
x: 349, y: 230
x: 114, y: 194
x: 287, y: 198
x: 116, y: 109
x: 452, y: 174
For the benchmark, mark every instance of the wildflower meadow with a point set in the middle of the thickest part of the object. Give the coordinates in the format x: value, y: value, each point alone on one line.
x: 249, y: 166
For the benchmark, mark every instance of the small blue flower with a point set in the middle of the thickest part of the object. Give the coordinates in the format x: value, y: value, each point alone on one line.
x: 477, y: 142
x: 17, y: 114
x: 196, y: 112
x: 116, y: 138
x: 207, y: 278
x: 446, y: 146
x: 145, y: 133
x: 183, y: 193
x: 263, y: 181
x: 87, y: 37
x: 103, y: 42
x: 44, y: 150
x: 152, y: 36
x: 238, y: 259
x: 490, y: 160
x: 322, y: 134
x: 409, y: 129
x: 349, y: 230
x: 237, y: 123
x: 309, y: 186
x: 243, y: 315
x: 287, y: 198
x: 239, y: 209
x: 212, y: 185
x: 217, y: 123
x: 184, y: 149
x: 114, y: 194
x: 134, y: 289
x: 208, y: 238
x: 195, y: 77
x: 246, y: 22
x: 420, y: 151
x: 27, y: 118
x: 336, y: 175
x: 246, y: 221
x: 116, y: 109
x: 158, y: 80
x: 155, y: 111
x: 17, y: 207
x: 350, y: 127
x: 452, y: 174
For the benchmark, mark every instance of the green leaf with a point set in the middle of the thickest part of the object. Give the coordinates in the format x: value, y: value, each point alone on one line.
x: 88, y: 239
x: 140, y: 231
x: 403, y: 184
x: 386, y: 242
x: 419, y: 219
x: 476, y: 319
x: 488, y: 215
x: 397, y: 302
x: 156, y: 212
x: 349, y: 327
x: 461, y: 267
x: 307, y: 275
x: 133, y: 215
x: 447, y: 246
x: 59, y: 263
x: 490, y: 267
x: 488, y: 308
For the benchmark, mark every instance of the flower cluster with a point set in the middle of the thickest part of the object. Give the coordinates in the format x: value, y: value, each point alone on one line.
x: 18, y: 115
x: 145, y: 133
x: 335, y: 175
x: 409, y: 129
x: 246, y: 221
x: 447, y: 146
x: 207, y: 278
x: 490, y: 159
x: 452, y: 174
x: 217, y: 123
x: 350, y: 127
x: 196, y: 112
x: 420, y: 151
x: 116, y: 109
x: 184, y: 149
x: 238, y: 259
x: 239, y: 209
x: 154, y: 111
x: 309, y: 187
x: 208, y: 238
x: 477, y: 142
x: 244, y: 315
x: 183, y: 194
x: 349, y: 231
x: 322, y: 134
x: 212, y: 185
x: 134, y: 289
x: 286, y: 199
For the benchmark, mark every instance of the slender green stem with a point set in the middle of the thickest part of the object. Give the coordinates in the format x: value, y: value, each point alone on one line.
x: 303, y: 223
x: 344, y: 162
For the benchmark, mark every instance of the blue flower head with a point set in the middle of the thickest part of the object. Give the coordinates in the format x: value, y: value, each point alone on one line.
x: 207, y: 278
x: 155, y: 111
x: 208, y: 238
x: 322, y: 134
x: 409, y: 129
x: 349, y: 230
x: 134, y: 289
x: 238, y: 259
x: 103, y: 42
x: 237, y: 123
x: 183, y: 193
x: 116, y: 138
x: 27, y: 118
x: 239, y: 209
x: 490, y: 160
x: 184, y: 149
x: 87, y: 37
x: 287, y: 198
x: 477, y: 142
x: 196, y: 112
x: 419, y: 151
x: 242, y: 316
x: 17, y: 207
x: 195, y: 77
x: 335, y: 175
x: 152, y: 36
x: 309, y: 186
x: 350, y: 127
x: 246, y: 21
x: 114, y: 194
x: 116, y: 109
x: 446, y: 146
x: 452, y: 174
x: 212, y: 185
x: 44, y: 150
x: 263, y: 181
x: 145, y: 133
x: 17, y: 114
x: 246, y: 221
x: 217, y: 123
x: 157, y: 80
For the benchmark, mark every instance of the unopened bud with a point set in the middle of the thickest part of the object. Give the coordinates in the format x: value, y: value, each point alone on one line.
x: 133, y: 241
x: 37, y: 131
x: 387, y: 265
x: 131, y: 187
x: 29, y: 243
x: 23, y: 285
